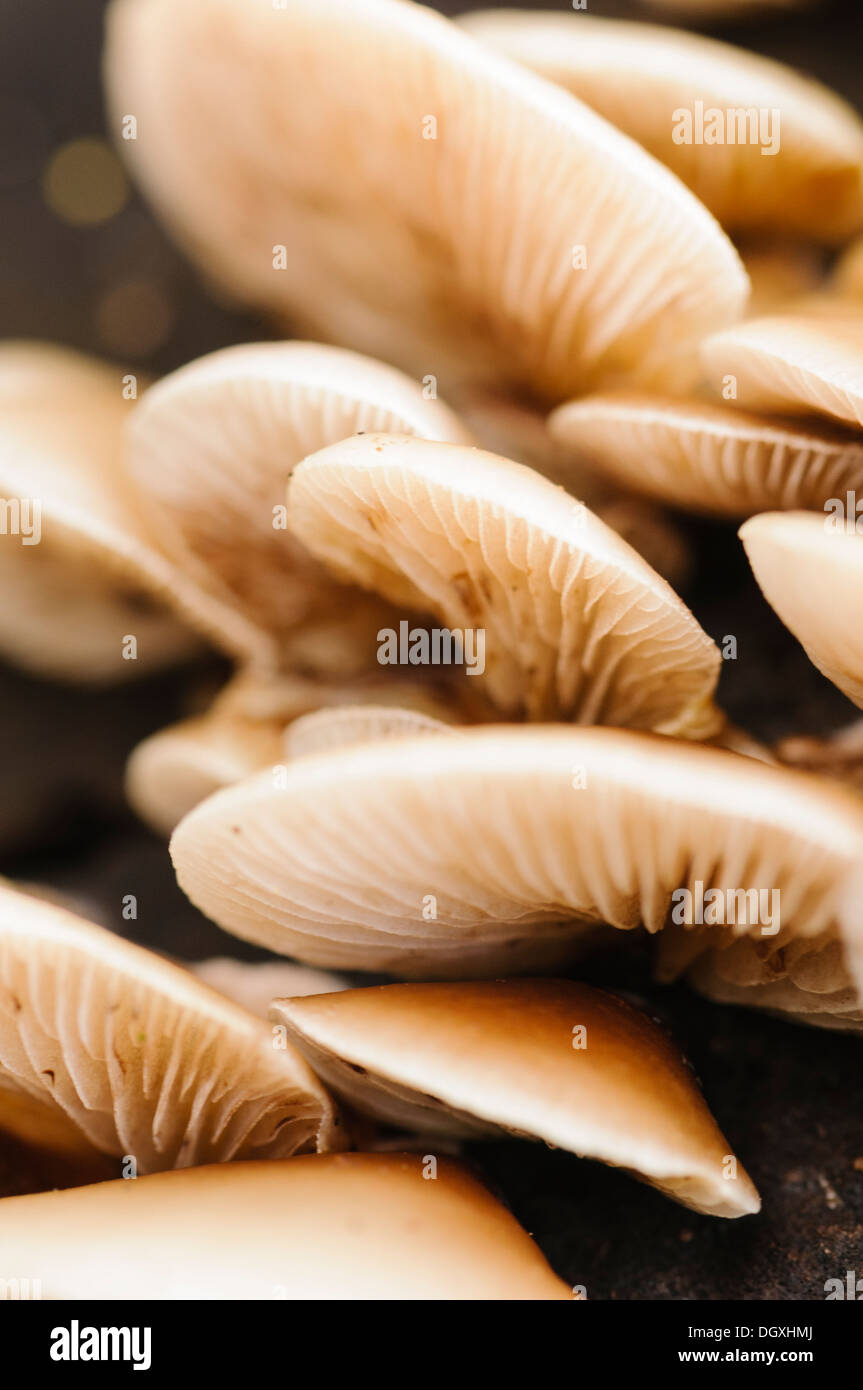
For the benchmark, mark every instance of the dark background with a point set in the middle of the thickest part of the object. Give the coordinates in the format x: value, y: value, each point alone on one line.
x: 790, y: 1099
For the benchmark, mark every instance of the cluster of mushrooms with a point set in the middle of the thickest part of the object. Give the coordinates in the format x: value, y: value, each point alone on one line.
x: 491, y: 213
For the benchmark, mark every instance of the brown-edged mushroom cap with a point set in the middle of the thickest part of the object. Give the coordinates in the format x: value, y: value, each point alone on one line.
x: 212, y: 446
x: 140, y: 1057
x: 546, y: 1059
x: 708, y: 110
x: 810, y: 570
x: 505, y: 838
x: 336, y: 1226
x: 476, y: 222
x: 85, y: 572
x: 572, y: 622
x: 807, y: 363
x: 710, y: 458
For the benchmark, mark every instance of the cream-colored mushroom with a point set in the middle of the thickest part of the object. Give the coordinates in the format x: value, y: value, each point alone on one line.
x: 211, y: 448
x: 254, y: 985
x: 710, y: 458
x: 810, y: 569
x: 572, y: 622
x: 542, y: 1059
x: 342, y: 727
x: 94, y: 597
x: 708, y: 110
x: 475, y: 223
x: 249, y: 726
x: 806, y: 363
x: 104, y: 1041
x: 337, y: 1226
x: 503, y: 849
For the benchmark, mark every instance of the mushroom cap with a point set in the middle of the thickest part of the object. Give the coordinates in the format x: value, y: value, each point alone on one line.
x: 255, y: 984
x: 577, y: 625
x: 336, y: 1226
x: 710, y: 458
x: 212, y: 445
x: 438, y: 231
x: 142, y: 1058
x: 250, y: 726
x: 327, y: 729
x: 96, y: 573
x: 504, y: 838
x: 808, y: 981
x: 173, y: 769
x: 476, y: 1060
x: 642, y: 77
x: 811, y: 573
x: 807, y: 363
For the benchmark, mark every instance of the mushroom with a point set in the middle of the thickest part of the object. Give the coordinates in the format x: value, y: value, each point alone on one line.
x: 212, y: 445
x: 337, y: 1226
x: 342, y: 727
x: 248, y: 727
x: 476, y: 224
x: 810, y: 570
x: 254, y: 985
x: 509, y: 844
x: 810, y: 981
x: 574, y: 623
x: 800, y: 363
x: 709, y: 457
x: 86, y: 575
x: 106, y: 1042
x: 708, y: 110
x: 543, y: 1059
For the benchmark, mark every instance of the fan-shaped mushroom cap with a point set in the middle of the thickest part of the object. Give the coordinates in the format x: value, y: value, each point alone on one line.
x: 710, y: 458
x: 212, y: 446
x: 249, y: 727
x: 802, y: 363
x: 808, y: 981
x: 505, y: 838
x: 327, y: 729
x: 138, y: 1055
x: 649, y: 81
x: 254, y: 985
x: 93, y: 575
x: 339, y: 1226
x: 811, y: 572
x: 546, y: 1059
x: 477, y: 223
x: 577, y: 625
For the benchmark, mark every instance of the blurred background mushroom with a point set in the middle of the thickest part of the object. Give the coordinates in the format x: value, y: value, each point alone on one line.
x: 84, y: 263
